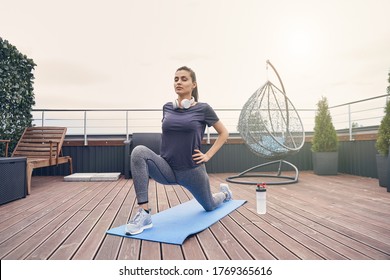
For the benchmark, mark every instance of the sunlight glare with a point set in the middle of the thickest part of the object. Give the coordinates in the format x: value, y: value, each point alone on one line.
x: 299, y: 43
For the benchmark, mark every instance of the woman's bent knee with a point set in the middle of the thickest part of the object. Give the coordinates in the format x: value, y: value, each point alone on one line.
x: 141, y: 152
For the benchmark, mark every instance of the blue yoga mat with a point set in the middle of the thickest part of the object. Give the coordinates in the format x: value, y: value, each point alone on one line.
x: 175, y: 224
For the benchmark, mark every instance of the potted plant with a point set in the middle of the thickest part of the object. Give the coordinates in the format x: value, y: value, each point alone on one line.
x: 382, y: 145
x: 324, y: 142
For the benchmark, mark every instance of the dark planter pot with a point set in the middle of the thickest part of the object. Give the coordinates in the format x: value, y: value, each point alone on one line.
x: 325, y: 163
x: 388, y: 173
x: 382, y: 168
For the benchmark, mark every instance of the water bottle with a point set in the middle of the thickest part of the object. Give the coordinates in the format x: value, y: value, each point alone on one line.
x: 261, y: 197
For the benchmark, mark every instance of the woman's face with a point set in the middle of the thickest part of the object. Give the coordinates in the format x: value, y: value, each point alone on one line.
x: 183, y: 83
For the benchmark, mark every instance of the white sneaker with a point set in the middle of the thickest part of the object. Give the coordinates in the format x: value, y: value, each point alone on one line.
x: 142, y: 220
x: 225, y: 189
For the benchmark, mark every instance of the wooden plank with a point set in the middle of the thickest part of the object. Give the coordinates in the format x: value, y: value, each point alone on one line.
x: 283, y: 225
x: 18, y: 209
x: 151, y: 250
x: 270, y: 227
x: 83, y: 229
x: 192, y: 250
x: 36, y: 146
x: 88, y: 249
x: 376, y: 236
x: 339, y: 217
x: 255, y: 241
x: 337, y: 231
x: 110, y: 247
x: 229, y: 242
x: 36, y: 234
x: 210, y: 246
x: 309, y: 197
x: 62, y: 233
x: 320, y: 233
x: 130, y: 248
x: 18, y: 223
x: 277, y: 241
x: 240, y: 244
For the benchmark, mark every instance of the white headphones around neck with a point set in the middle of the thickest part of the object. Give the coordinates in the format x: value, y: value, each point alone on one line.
x: 185, y: 103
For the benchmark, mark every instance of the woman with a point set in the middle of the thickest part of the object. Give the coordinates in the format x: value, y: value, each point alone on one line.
x: 181, y: 160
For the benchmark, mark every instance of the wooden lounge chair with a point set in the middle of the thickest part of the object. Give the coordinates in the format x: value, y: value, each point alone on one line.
x: 42, y: 147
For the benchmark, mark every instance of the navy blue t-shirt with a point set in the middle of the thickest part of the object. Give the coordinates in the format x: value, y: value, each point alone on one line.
x: 183, y: 131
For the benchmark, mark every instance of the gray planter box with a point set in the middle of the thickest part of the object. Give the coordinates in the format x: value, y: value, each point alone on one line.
x: 382, y: 166
x: 12, y: 179
x: 325, y: 163
x: 388, y: 173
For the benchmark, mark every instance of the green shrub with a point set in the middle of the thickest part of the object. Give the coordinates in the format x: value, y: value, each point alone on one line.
x: 325, y: 136
x: 16, y: 93
x: 383, y: 139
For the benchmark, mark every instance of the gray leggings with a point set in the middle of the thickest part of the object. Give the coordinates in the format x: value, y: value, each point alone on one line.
x: 145, y: 163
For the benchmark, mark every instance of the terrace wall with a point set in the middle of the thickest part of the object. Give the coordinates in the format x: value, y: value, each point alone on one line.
x: 356, y: 157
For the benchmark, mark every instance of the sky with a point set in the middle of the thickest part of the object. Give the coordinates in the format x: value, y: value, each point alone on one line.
x: 123, y: 53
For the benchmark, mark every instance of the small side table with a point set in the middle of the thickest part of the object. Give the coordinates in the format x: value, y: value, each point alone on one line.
x: 12, y: 178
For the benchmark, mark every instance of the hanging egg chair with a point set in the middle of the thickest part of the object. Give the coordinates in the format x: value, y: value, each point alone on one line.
x: 272, y: 129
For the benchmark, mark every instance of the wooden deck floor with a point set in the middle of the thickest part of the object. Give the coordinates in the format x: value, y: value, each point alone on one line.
x: 332, y: 217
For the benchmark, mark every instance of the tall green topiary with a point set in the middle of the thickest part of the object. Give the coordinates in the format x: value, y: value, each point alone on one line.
x: 325, y: 136
x: 16, y: 93
x: 383, y: 139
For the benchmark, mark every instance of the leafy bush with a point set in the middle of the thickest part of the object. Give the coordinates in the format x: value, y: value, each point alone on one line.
x: 16, y: 93
x: 383, y: 139
x: 325, y: 136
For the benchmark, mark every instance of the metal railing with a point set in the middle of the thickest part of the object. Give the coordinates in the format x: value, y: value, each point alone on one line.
x: 360, y: 113
x: 91, y: 122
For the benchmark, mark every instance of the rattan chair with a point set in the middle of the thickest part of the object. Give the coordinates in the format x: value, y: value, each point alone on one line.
x: 271, y: 129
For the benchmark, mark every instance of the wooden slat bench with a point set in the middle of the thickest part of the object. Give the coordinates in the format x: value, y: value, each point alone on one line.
x: 42, y: 147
